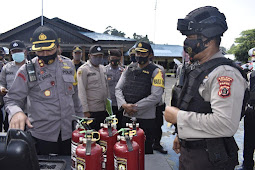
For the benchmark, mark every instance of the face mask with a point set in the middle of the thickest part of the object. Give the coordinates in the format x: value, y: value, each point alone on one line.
x: 48, y: 59
x: 96, y: 60
x: 115, y: 62
x: 133, y: 59
x: 193, y: 47
x: 142, y: 60
x: 77, y: 57
x: 18, y: 57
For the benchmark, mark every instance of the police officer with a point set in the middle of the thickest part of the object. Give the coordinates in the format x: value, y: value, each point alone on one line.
x: 93, y: 88
x: 131, y: 54
x: 209, y: 107
x: 113, y: 72
x: 2, y: 63
x: 51, y: 93
x: 159, y: 121
x: 138, y: 92
x: 9, y: 70
x: 77, y: 54
x: 249, y: 125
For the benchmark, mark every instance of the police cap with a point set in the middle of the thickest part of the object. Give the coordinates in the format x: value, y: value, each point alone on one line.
x: 143, y: 47
x: 114, y: 52
x: 2, y: 51
x: 17, y: 44
x: 77, y: 48
x: 44, y: 38
x: 96, y: 49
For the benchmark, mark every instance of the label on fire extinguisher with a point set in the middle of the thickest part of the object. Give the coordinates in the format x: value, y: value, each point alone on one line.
x: 73, y: 155
x: 103, y: 144
x: 81, y: 164
x: 120, y: 163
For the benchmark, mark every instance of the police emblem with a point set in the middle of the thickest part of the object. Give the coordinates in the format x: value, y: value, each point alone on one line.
x: 15, y: 44
x: 98, y: 49
x: 225, y: 83
x: 42, y: 36
x: 140, y: 45
x: 47, y: 93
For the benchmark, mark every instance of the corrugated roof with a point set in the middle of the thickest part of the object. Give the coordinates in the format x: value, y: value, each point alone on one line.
x: 99, y: 36
x: 167, y: 50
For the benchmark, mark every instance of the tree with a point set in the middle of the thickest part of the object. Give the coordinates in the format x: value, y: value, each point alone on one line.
x: 244, y: 43
x: 140, y: 38
x: 113, y: 31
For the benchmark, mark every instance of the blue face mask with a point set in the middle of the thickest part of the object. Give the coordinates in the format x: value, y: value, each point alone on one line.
x: 96, y: 60
x: 18, y: 57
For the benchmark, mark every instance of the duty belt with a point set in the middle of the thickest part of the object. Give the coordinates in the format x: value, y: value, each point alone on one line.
x: 198, y: 144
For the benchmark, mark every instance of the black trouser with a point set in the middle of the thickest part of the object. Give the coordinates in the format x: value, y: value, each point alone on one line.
x: 60, y: 147
x: 197, y: 159
x: 159, y: 122
x: 249, y: 138
x: 148, y: 126
x: 6, y: 122
x: 99, y: 117
x: 119, y: 115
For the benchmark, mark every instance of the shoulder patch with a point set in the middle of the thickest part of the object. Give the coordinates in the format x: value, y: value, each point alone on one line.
x: 158, y: 80
x: 225, y: 83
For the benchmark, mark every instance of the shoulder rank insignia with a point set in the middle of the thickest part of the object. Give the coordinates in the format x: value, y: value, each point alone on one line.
x: 158, y: 80
x: 225, y: 83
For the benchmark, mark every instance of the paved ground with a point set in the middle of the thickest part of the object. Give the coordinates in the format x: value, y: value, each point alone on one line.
x: 170, y: 161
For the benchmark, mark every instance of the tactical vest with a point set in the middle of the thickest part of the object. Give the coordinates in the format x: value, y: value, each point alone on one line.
x: 138, y: 82
x: 190, y: 99
x: 252, y: 88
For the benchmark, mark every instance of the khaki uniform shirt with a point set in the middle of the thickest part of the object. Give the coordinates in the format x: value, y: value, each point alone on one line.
x: 226, y: 109
x: 92, y: 87
x: 146, y: 107
x: 52, y: 98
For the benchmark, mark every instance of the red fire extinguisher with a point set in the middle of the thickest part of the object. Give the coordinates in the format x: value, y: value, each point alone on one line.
x: 126, y: 151
x: 108, y: 138
x: 89, y: 154
x: 140, y: 139
x: 82, y: 124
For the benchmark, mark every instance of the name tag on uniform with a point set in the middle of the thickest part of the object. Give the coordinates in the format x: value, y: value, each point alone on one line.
x: 91, y: 74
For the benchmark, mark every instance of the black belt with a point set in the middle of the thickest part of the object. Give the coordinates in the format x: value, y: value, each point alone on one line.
x: 198, y: 144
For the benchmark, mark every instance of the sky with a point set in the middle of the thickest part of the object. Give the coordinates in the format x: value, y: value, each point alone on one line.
x: 155, y: 18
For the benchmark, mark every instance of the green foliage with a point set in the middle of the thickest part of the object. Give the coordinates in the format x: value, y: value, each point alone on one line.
x: 244, y: 43
x: 140, y: 38
x: 113, y: 31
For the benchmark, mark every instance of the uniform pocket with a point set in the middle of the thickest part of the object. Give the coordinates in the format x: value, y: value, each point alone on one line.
x: 69, y: 80
x: 93, y: 81
x: 47, y: 88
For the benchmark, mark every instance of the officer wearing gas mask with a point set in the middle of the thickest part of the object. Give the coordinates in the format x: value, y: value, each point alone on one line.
x: 209, y: 107
x: 50, y: 89
x: 9, y: 70
x: 138, y: 92
x: 77, y: 54
x: 113, y: 72
x: 93, y: 88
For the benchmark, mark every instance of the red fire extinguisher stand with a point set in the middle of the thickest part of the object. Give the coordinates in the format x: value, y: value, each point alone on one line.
x: 89, y: 154
x: 126, y: 151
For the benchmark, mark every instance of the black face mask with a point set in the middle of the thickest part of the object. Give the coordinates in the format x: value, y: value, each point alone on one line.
x: 193, y: 47
x: 48, y: 59
x: 142, y: 60
x: 115, y: 62
x: 133, y: 59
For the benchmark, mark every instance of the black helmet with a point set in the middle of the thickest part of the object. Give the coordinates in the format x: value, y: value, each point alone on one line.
x: 207, y: 21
